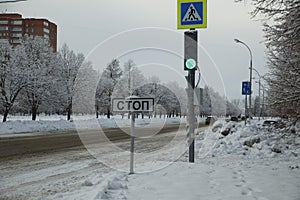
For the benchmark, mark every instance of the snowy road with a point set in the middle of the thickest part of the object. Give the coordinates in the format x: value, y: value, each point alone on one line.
x: 48, y: 142
x: 72, y: 173
x: 53, y: 169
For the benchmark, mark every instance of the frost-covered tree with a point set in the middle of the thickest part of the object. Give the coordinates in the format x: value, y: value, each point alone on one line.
x: 132, y: 80
x: 84, y: 89
x: 13, y: 75
x: 108, y: 80
x: 178, y: 98
x: 69, y: 64
x: 206, y: 108
x: 155, y: 90
x: 284, y: 62
x: 215, y: 104
x: 282, y: 33
x: 232, y: 109
x: 42, y: 65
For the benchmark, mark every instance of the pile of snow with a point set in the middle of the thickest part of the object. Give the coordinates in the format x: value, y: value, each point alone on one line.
x: 253, y: 140
x: 35, y: 126
x: 111, y: 185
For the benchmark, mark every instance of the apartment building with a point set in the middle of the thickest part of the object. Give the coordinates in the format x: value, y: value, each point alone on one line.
x: 13, y: 27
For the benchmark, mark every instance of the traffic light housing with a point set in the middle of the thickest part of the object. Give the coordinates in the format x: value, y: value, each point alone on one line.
x: 190, y: 50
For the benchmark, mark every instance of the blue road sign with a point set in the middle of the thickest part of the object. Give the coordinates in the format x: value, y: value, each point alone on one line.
x: 192, y: 14
x: 246, y: 88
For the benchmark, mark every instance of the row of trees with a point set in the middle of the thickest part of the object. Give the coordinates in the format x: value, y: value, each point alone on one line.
x: 282, y: 33
x: 35, y: 79
x: 169, y: 98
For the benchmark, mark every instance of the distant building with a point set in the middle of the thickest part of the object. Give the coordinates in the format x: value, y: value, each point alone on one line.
x: 13, y: 27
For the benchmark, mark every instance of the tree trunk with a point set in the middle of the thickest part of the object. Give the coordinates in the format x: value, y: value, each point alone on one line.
x: 108, y: 113
x: 69, y: 111
x: 33, y: 113
x: 69, y: 114
x: 5, y: 114
x: 97, y: 111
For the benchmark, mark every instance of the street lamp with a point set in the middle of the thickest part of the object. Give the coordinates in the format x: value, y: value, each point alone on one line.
x: 239, y: 41
x: 11, y: 1
x: 259, y: 86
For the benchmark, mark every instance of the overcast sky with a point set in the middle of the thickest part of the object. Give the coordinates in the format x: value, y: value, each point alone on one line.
x: 85, y: 24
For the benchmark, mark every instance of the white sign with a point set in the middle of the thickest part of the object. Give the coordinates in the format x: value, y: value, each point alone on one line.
x: 133, y: 105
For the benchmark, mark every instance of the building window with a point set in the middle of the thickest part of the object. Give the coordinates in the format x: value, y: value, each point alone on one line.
x: 17, y: 22
x: 15, y: 41
x: 46, y: 24
x: 3, y: 22
x: 3, y: 28
x: 16, y: 29
x: 46, y: 30
x: 16, y: 35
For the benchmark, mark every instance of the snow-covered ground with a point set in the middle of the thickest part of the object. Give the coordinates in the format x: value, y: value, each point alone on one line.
x: 228, y: 178
x: 19, y: 125
x: 251, y: 162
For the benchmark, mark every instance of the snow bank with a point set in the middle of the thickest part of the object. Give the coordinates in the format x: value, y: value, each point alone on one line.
x: 51, y: 124
x: 111, y: 185
x: 253, y: 140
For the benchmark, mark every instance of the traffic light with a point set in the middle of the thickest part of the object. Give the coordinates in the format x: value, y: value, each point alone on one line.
x: 190, y: 50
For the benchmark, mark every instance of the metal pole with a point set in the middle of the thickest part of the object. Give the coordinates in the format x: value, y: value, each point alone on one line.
x: 259, y: 99
x: 246, y: 109
x: 132, y: 143
x: 259, y: 88
x: 191, y: 52
x: 250, y: 105
x: 239, y: 41
x: 191, y: 86
x: 263, y: 104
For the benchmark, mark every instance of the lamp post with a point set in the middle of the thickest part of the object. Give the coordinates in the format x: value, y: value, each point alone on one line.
x: 263, y: 102
x: 239, y: 41
x: 259, y: 86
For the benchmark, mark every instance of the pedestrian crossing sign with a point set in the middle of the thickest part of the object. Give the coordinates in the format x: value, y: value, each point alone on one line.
x: 191, y: 14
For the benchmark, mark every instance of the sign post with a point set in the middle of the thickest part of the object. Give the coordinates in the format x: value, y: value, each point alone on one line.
x: 132, y: 142
x: 190, y: 55
x: 132, y: 105
x: 191, y: 14
x: 246, y: 90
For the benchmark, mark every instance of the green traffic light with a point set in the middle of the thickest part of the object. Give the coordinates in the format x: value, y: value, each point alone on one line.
x: 190, y: 63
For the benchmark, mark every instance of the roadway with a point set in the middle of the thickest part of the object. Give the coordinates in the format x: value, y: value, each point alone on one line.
x: 62, y: 141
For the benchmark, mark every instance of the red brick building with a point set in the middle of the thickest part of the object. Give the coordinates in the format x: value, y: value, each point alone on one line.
x: 13, y: 27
